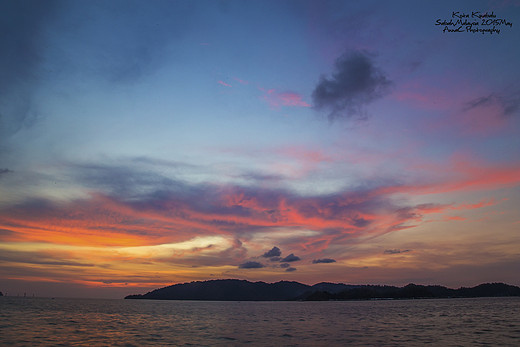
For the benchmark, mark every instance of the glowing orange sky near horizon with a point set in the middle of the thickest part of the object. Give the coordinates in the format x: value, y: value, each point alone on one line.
x: 98, y: 242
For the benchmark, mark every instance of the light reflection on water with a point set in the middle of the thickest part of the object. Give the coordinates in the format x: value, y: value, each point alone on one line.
x: 442, y: 322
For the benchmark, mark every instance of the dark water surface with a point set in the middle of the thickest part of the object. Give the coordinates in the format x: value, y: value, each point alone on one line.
x: 92, y: 322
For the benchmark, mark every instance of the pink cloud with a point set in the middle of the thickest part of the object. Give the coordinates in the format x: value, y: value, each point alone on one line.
x: 224, y: 84
x: 466, y: 109
x: 297, y: 161
x: 318, y: 222
x: 292, y: 99
x: 286, y: 99
x: 305, y: 155
x: 454, y: 218
x: 425, y: 96
x: 460, y: 173
x: 240, y: 80
x: 482, y: 119
x: 483, y: 203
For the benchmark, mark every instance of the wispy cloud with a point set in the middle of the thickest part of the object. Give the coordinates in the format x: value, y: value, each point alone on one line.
x: 23, y: 43
x: 396, y: 251
x: 121, y: 47
x: 222, y: 83
x: 4, y: 171
x: 241, y: 81
x: 284, y: 99
x: 509, y: 103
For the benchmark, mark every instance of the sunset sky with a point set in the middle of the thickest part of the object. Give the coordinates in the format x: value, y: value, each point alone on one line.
x: 146, y: 143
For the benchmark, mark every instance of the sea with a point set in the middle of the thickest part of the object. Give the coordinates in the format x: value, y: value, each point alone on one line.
x: 93, y: 322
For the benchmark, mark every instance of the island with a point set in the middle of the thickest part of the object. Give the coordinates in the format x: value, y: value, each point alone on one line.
x: 242, y: 290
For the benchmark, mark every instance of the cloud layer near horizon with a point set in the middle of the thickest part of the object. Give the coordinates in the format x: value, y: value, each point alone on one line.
x: 129, y: 207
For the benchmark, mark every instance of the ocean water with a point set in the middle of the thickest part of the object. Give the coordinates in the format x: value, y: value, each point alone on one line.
x: 93, y: 322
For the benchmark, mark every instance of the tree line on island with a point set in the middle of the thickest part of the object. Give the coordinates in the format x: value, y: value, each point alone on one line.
x: 242, y: 290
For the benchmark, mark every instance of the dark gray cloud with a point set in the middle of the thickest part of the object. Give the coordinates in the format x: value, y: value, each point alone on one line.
x: 290, y: 269
x: 355, y: 83
x: 290, y: 258
x: 22, y: 41
x: 274, y: 252
x: 510, y: 102
x: 396, y: 251
x: 251, y: 265
x: 285, y: 265
x: 323, y: 260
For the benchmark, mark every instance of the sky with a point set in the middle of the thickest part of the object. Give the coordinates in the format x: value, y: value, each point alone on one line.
x: 148, y: 143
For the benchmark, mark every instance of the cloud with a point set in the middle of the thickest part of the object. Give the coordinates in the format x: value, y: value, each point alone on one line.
x: 274, y: 252
x: 121, y: 46
x: 488, y: 114
x: 131, y: 206
x: 22, y: 40
x: 287, y: 99
x: 119, y: 42
x: 323, y: 260
x: 119, y: 180
x: 251, y: 265
x: 355, y: 83
x: 5, y: 232
x: 508, y: 104
x: 396, y: 251
x: 241, y: 81
x: 290, y: 258
x: 222, y: 83
x: 285, y: 265
x: 290, y: 269
x: 4, y: 171
x: 39, y: 258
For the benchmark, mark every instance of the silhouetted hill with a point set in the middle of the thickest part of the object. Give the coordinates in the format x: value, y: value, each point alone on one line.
x: 489, y: 289
x: 241, y: 290
x: 226, y: 290
x: 412, y: 291
x: 332, y: 287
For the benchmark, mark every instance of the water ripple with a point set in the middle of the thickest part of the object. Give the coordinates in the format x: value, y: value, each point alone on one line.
x: 446, y: 322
